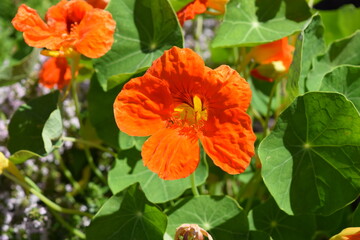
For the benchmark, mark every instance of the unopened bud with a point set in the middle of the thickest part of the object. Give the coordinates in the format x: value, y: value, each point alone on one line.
x: 4, y: 162
x: 191, y: 232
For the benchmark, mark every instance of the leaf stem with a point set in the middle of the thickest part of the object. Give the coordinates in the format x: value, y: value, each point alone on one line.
x: 68, y: 226
x: 44, y: 199
x: 193, y: 185
x: 67, y: 172
x: 198, y: 32
x: 267, y: 117
x: 89, y: 143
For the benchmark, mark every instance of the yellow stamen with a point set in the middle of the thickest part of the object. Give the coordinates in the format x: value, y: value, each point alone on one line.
x: 62, y: 52
x: 191, y: 115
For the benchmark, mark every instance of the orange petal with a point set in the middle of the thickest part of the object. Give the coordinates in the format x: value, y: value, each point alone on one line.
x: 278, y: 50
x: 191, y: 10
x: 36, y: 32
x: 171, y: 155
x: 183, y: 69
x: 77, y: 9
x: 98, y: 3
x: 55, y: 72
x: 229, y: 140
x: 218, y: 5
x: 227, y: 135
x: 143, y: 106
x: 95, y: 33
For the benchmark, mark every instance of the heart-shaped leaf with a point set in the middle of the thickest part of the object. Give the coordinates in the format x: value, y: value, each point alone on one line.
x: 128, y: 217
x: 144, y: 30
x: 312, y: 155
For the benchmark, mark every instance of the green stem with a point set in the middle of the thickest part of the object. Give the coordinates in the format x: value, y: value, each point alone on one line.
x: 93, y: 166
x: 193, y: 185
x: 44, y: 199
x: 252, y: 186
x: 198, y: 32
x: 68, y: 226
x: 66, y: 171
x: 91, y: 144
x: 74, y: 66
x: 267, y: 117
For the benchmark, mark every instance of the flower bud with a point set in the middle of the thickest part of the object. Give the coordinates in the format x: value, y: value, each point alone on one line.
x: 4, y: 162
x: 191, y: 232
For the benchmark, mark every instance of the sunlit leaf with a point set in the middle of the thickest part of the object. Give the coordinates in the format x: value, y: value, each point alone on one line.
x: 340, y: 52
x: 243, y: 27
x: 144, y: 30
x: 222, y: 217
x: 310, y: 162
x: 36, y: 126
x: 129, y: 169
x: 309, y: 44
x: 337, y: 22
x: 345, y: 80
x: 269, y: 218
x: 128, y: 217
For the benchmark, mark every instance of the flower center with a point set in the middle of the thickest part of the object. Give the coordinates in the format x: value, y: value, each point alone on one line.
x: 191, y: 116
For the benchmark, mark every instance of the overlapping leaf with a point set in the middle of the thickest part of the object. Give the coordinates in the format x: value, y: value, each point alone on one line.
x: 222, y: 217
x: 35, y: 127
x: 309, y: 44
x: 129, y: 170
x: 310, y: 162
x: 144, y: 30
x: 128, y: 217
x: 244, y: 26
x: 269, y: 218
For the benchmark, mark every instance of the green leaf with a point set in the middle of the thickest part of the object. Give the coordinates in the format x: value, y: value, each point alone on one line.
x: 340, y: 52
x: 345, y: 80
x: 10, y: 74
x: 221, y: 216
x: 36, y: 126
x: 179, y: 4
x: 242, y: 27
x: 101, y: 114
x: 130, y: 217
x: 310, y: 161
x: 129, y: 169
x: 337, y: 22
x: 309, y: 44
x: 144, y: 30
x: 21, y: 156
x: 269, y: 218
x: 261, y: 91
x: 356, y: 216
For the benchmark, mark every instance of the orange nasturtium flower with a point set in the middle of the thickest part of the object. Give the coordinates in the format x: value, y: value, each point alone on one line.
x: 179, y: 101
x: 55, y: 72
x: 274, y: 58
x: 98, y: 3
x: 72, y: 27
x: 352, y: 233
x: 200, y: 6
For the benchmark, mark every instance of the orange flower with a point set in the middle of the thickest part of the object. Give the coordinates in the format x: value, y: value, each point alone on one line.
x: 274, y: 58
x: 70, y: 26
x: 55, y: 72
x: 352, y: 233
x: 98, y: 3
x: 179, y: 101
x: 198, y: 7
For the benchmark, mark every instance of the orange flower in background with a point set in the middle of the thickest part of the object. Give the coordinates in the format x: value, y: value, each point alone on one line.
x: 274, y: 58
x: 179, y: 101
x: 352, y: 233
x: 55, y: 72
x: 71, y: 26
x: 200, y: 6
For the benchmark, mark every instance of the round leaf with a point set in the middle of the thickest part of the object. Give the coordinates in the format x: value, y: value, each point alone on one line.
x: 222, y: 217
x: 130, y: 217
x: 310, y: 162
x: 144, y: 30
